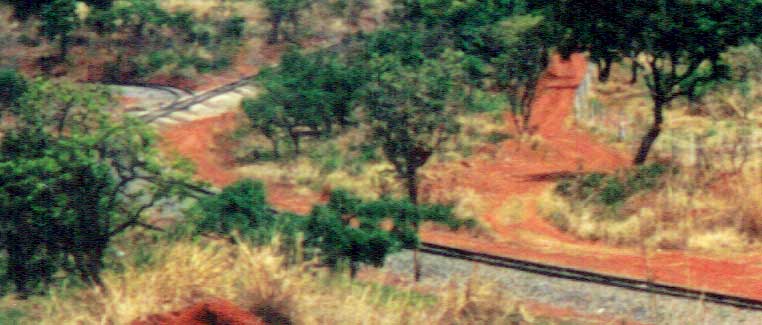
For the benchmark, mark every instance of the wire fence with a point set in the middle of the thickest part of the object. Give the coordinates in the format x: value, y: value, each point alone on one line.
x: 726, y: 145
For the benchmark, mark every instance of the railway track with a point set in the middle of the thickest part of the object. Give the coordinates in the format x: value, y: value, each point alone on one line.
x: 591, y: 277
x: 184, y: 104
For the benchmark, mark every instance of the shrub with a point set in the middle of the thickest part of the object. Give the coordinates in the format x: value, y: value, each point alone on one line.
x: 345, y: 231
x: 241, y: 207
x: 611, y: 190
x: 12, y: 86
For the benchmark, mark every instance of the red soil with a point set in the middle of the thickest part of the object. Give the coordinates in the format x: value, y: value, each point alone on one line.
x: 205, y: 143
x: 212, y: 312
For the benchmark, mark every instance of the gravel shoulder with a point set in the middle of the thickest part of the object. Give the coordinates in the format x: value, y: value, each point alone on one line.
x: 586, y: 298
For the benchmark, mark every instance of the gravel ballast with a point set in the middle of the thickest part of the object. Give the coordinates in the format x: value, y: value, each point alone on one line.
x: 583, y: 297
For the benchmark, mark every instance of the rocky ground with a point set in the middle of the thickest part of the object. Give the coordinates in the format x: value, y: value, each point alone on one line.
x: 586, y: 298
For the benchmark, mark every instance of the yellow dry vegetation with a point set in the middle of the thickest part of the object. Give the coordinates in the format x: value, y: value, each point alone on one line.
x: 186, y: 272
x: 336, y: 163
x: 711, y: 204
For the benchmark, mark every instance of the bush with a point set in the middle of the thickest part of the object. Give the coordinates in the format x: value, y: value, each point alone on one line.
x: 611, y: 190
x: 345, y: 231
x: 241, y: 207
x: 233, y: 28
x: 12, y: 86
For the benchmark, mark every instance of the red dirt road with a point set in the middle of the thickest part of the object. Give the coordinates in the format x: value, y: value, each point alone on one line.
x: 522, y: 172
x: 215, y: 311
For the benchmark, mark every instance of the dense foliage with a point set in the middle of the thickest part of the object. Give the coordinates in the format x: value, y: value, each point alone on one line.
x: 71, y: 178
x: 680, y: 43
x: 344, y: 232
x: 284, y: 12
x: 612, y: 190
x: 12, y: 86
x: 24, y: 9
x: 307, y: 94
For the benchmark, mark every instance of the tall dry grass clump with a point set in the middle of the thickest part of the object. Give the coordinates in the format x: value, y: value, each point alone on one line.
x: 257, y: 279
x: 707, y: 211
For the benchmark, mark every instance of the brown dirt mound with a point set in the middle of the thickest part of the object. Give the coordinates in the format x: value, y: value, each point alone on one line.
x: 217, y: 312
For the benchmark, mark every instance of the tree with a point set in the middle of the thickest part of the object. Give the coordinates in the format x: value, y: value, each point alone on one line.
x: 12, y: 86
x: 140, y: 15
x: 524, y: 56
x: 281, y: 11
x: 351, y: 9
x: 350, y: 230
x: 241, y: 206
x: 304, y: 95
x: 344, y: 231
x: 59, y: 21
x: 407, y: 109
x: 72, y: 177
x: 339, y: 243
x: 679, y: 42
x: 24, y: 9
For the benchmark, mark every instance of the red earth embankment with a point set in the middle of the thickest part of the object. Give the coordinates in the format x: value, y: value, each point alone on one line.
x: 211, y: 312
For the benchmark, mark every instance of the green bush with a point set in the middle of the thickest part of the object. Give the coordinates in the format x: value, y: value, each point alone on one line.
x: 233, y: 28
x: 328, y: 232
x: 611, y: 190
x: 12, y: 86
x: 241, y: 207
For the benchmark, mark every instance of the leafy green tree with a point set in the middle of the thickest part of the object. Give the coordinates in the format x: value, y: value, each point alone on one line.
x: 338, y: 242
x: 142, y: 17
x: 242, y: 207
x: 409, y: 113
x: 59, y: 21
x: 462, y: 25
x: 284, y: 11
x: 12, y: 86
x: 524, y: 56
x: 351, y: 9
x: 71, y: 178
x: 24, y: 9
x: 304, y: 95
x: 350, y: 230
x: 680, y: 43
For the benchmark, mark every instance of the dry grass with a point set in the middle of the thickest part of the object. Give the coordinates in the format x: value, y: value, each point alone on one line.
x: 339, y: 163
x: 709, y: 212
x: 255, y: 278
x: 712, y: 204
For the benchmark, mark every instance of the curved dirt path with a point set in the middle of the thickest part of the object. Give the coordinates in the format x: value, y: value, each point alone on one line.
x: 520, y: 172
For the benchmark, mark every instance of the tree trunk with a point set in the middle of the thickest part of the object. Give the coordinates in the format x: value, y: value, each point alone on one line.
x: 634, y: 72
x: 274, y: 29
x: 295, y: 141
x: 416, y: 266
x: 64, y: 47
x: 353, y: 268
x: 276, y: 150
x: 293, y: 35
x: 650, y: 137
x: 605, y: 70
x: 412, y: 183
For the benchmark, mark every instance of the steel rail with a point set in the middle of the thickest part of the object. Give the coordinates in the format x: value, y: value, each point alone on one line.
x: 196, y: 99
x: 591, y: 277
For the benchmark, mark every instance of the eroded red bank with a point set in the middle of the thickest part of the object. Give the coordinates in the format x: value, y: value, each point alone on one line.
x: 518, y: 171
x: 214, y: 311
